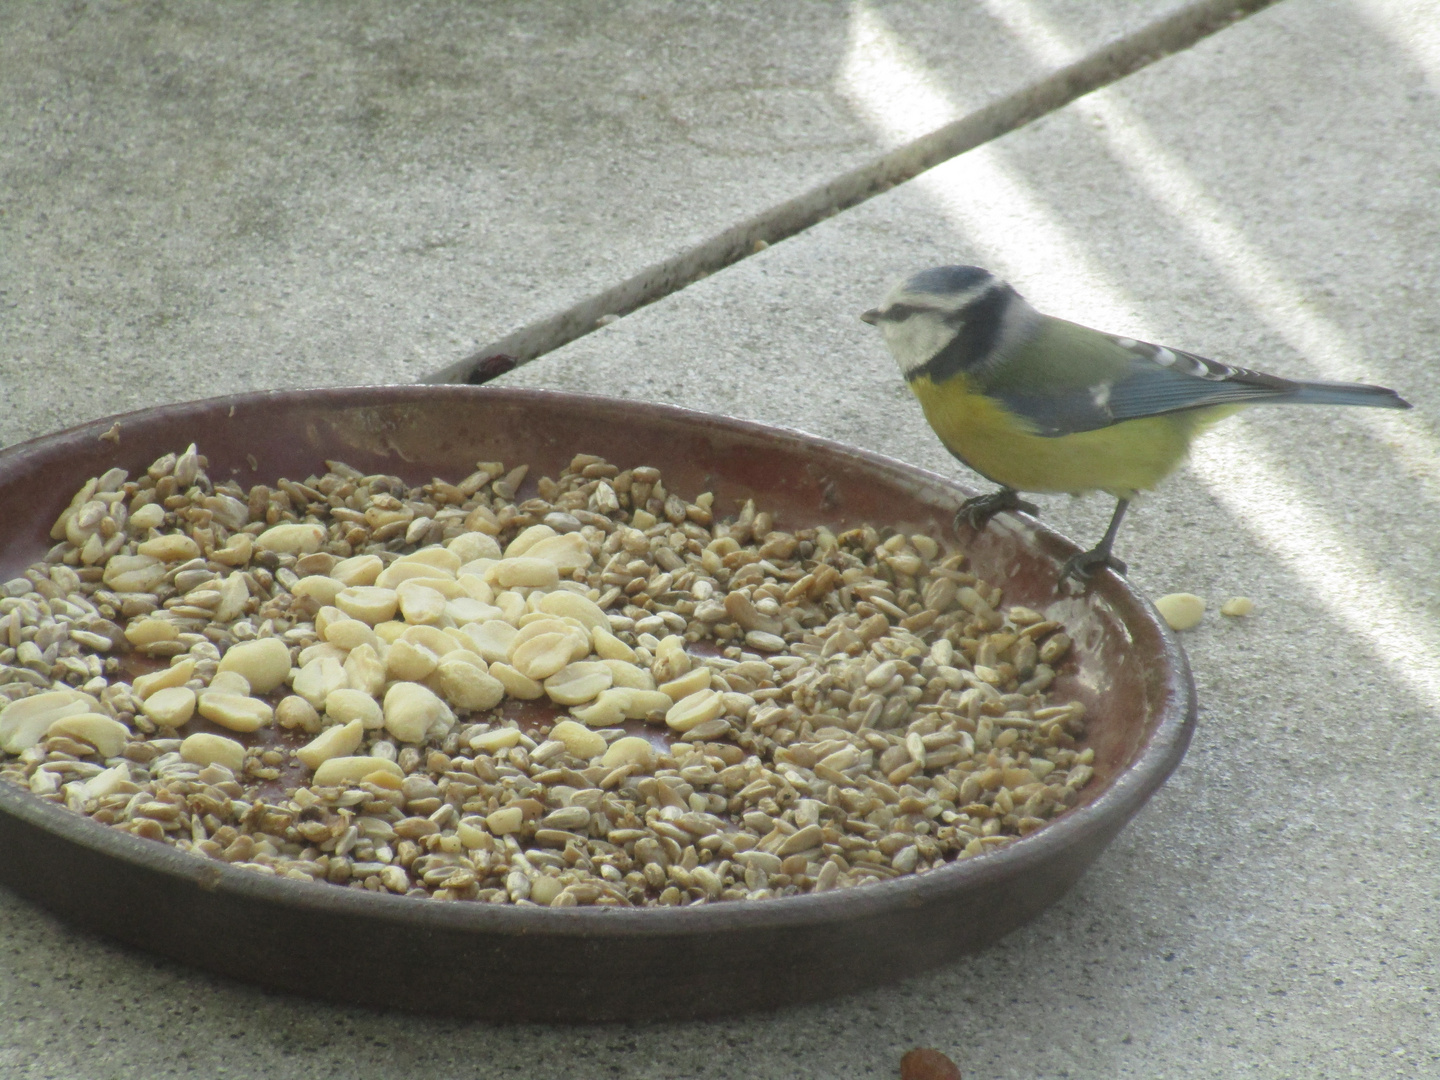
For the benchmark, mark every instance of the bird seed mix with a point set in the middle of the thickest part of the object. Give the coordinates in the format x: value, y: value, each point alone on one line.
x: 598, y: 694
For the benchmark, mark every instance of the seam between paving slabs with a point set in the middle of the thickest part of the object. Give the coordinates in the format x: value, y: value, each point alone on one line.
x: 1106, y: 65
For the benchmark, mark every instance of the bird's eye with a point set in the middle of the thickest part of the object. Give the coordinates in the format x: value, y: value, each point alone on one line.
x: 897, y: 313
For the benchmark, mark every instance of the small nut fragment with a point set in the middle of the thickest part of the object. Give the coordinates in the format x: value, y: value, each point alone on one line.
x: 742, y: 610
x: 322, y: 590
x: 204, y: 748
x: 578, y: 739
x: 347, y: 633
x: 390, y: 631
x: 1237, y: 606
x: 177, y: 674
x: 544, y: 890
x: 108, y: 782
x: 638, y: 678
x: 237, y: 550
x: 468, y: 609
x: 609, y: 647
x: 349, y: 770
x: 441, y: 558
x: 671, y: 659
x: 265, y: 663
x: 542, y: 656
x: 468, y: 687
x: 411, y: 710
x: 763, y: 642
x: 574, y: 606
x: 629, y: 750
x: 133, y: 573
x: 401, y: 571
x: 234, y: 594
x: 368, y: 603
x: 295, y: 712
x: 637, y: 703
x: 358, y: 570
x: 1055, y: 647
x: 690, y: 683
x: 579, y: 682
x: 517, y: 685
x: 171, y: 706
x: 364, y: 670
x: 568, y: 552
x: 527, y: 539
x: 234, y: 711
x: 228, y: 682
x: 291, y: 539
x: 492, y: 639
x: 488, y: 742
x: 409, y: 661
x: 524, y: 572
x: 1181, y: 610
x: 604, y: 711
x: 505, y: 821
x: 176, y: 547
x: 336, y: 742
x: 345, y: 706
x: 149, y: 516
x: 319, y: 678
x: 474, y: 545
x: 800, y: 840
x: 142, y: 633
x: 695, y: 709
x: 106, y: 735
x: 419, y: 603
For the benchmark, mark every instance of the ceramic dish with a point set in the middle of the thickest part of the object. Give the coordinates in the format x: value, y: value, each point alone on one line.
x: 531, y: 963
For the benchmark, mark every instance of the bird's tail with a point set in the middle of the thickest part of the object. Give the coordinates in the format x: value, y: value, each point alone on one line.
x: 1337, y: 393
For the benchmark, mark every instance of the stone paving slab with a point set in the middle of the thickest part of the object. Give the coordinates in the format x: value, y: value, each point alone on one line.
x: 216, y: 198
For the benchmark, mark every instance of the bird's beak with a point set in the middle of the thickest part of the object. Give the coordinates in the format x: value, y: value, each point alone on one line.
x: 872, y: 316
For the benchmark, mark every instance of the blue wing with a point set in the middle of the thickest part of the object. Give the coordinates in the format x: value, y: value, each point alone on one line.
x: 1075, y: 379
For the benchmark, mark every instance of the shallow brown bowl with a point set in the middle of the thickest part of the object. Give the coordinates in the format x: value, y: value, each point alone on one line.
x: 509, y: 963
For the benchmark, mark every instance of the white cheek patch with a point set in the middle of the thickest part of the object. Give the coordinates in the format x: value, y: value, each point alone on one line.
x: 915, y: 340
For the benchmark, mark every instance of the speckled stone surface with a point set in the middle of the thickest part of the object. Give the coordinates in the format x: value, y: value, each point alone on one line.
x: 216, y: 197
x: 1266, y: 198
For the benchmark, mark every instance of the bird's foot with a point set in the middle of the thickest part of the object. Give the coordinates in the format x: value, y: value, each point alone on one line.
x: 1082, y: 567
x: 978, y: 511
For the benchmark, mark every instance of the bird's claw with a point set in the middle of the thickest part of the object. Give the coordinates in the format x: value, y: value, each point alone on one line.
x: 977, y: 512
x: 1083, y: 565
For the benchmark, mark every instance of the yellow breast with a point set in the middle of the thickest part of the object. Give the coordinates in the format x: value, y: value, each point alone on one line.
x: 1131, y: 456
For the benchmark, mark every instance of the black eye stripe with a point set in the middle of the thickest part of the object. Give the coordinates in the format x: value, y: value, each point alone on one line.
x: 979, y: 324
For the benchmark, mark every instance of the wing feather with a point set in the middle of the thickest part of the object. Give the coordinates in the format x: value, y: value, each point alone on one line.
x: 1070, y: 379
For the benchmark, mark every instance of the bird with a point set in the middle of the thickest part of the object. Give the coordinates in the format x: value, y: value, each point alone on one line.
x: 1038, y: 404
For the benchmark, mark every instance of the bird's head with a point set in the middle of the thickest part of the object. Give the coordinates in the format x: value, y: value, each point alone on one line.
x: 959, y: 311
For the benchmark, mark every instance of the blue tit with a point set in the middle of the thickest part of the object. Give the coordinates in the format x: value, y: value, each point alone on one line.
x: 1036, y: 403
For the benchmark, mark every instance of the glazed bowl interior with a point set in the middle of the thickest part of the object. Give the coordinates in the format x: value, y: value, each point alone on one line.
x: 582, y: 963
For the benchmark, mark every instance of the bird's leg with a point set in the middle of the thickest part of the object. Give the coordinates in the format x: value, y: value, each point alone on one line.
x: 1081, y: 566
x: 978, y: 511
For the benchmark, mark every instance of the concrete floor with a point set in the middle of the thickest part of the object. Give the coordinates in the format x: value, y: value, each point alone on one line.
x: 203, y: 200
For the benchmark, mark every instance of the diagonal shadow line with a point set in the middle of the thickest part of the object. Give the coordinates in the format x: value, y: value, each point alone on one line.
x: 1106, y: 65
